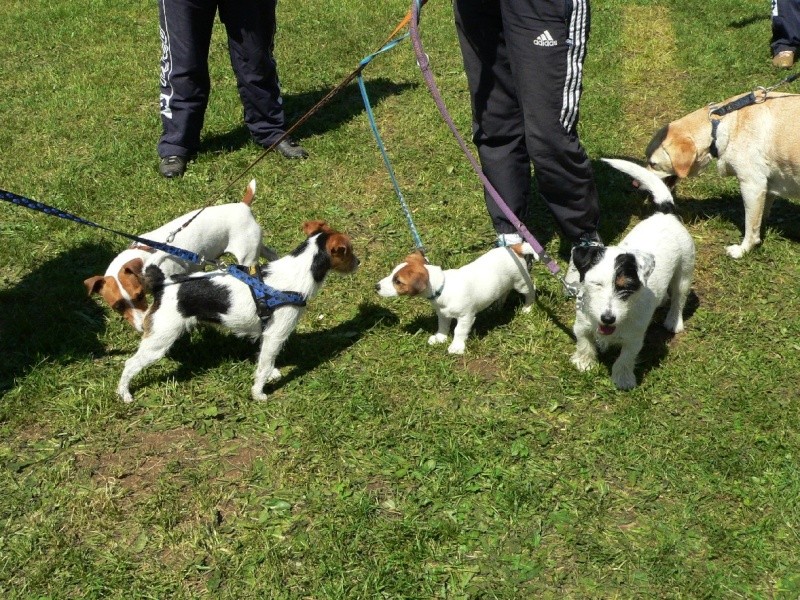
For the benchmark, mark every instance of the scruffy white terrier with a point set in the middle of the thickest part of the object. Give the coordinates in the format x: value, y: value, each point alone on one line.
x: 462, y: 293
x: 622, y: 286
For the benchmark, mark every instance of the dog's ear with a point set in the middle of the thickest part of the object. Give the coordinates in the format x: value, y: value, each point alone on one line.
x: 133, y: 267
x: 682, y: 153
x: 645, y: 263
x: 94, y: 284
x: 585, y: 257
x: 316, y: 226
x: 416, y: 257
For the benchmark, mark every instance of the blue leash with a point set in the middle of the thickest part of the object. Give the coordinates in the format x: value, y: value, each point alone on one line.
x: 50, y: 210
x: 381, y: 146
x: 267, y: 298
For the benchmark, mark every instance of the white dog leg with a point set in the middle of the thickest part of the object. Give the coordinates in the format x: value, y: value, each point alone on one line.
x: 585, y: 355
x: 272, y: 339
x: 755, y: 197
x: 622, y: 372
x: 463, y: 327
x: 440, y: 337
x: 152, y: 348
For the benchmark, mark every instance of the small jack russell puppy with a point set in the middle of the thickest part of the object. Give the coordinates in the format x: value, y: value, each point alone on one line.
x: 216, y: 230
x: 181, y: 302
x: 623, y: 285
x: 462, y: 293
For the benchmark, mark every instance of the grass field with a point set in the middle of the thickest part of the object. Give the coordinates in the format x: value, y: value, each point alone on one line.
x: 381, y: 467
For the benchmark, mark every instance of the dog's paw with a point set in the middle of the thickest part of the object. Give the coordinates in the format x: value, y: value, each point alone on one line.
x: 526, y: 309
x: 673, y: 324
x: 456, y: 348
x: 274, y: 375
x: 736, y: 251
x: 258, y: 395
x: 623, y: 378
x: 125, y: 395
x: 437, y: 338
x: 583, y: 362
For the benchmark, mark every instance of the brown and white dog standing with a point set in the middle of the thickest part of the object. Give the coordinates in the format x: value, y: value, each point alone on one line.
x: 225, y: 228
x: 182, y: 302
x: 462, y: 293
x: 757, y: 144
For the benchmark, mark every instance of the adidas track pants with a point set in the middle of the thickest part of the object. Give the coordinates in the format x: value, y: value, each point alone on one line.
x: 523, y: 60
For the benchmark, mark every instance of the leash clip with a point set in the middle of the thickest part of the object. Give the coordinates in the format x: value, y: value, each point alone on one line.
x: 763, y: 94
x: 572, y: 291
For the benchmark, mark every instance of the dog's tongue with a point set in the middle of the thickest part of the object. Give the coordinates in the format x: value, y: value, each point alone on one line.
x: 606, y: 329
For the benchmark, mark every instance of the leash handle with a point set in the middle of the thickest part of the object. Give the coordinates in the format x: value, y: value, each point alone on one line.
x: 424, y: 66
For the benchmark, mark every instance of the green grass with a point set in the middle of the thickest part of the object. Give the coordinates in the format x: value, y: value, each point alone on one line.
x: 382, y: 467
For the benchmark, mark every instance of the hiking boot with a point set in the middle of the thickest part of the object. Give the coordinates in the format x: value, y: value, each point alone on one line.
x: 783, y: 59
x: 291, y: 149
x: 173, y: 166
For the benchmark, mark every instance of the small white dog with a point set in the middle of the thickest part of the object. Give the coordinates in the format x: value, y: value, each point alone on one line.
x: 623, y: 285
x: 462, y: 293
x: 181, y: 302
x: 224, y: 228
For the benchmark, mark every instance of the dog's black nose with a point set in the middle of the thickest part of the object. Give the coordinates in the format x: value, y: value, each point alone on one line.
x: 377, y: 287
x: 607, y: 318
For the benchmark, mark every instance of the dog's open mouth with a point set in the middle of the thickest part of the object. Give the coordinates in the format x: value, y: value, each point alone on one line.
x: 606, y: 329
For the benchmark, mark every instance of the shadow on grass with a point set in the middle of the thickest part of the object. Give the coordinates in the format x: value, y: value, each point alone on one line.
x: 47, y: 316
x: 303, y: 351
x: 342, y: 108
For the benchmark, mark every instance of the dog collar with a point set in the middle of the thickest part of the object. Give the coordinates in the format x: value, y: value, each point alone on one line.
x: 438, y: 292
x: 713, y: 148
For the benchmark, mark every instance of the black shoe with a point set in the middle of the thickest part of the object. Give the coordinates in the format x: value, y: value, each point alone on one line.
x: 291, y: 149
x: 173, y: 166
x: 589, y: 239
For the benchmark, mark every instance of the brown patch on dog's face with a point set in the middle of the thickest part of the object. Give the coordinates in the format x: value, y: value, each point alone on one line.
x: 672, y: 154
x: 411, y: 279
x: 125, y: 293
x: 340, y: 249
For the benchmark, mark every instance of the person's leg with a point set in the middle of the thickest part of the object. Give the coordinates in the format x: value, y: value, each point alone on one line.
x: 251, y: 33
x: 785, y: 30
x: 546, y: 41
x: 497, y: 129
x: 185, y: 86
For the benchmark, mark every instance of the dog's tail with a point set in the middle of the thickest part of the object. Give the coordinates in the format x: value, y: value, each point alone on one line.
x: 649, y: 181
x: 249, y: 192
x: 525, y: 250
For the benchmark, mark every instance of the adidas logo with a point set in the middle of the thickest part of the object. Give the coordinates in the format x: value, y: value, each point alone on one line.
x: 545, y: 39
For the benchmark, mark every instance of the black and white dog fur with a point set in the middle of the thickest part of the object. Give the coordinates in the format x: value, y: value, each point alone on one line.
x: 622, y: 286
x: 181, y: 302
x: 462, y: 293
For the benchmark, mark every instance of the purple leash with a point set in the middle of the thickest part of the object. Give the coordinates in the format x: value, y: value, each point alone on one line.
x: 424, y: 67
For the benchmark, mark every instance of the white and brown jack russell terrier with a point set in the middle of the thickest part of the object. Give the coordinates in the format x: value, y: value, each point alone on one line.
x: 216, y: 230
x: 462, y: 293
x: 181, y: 302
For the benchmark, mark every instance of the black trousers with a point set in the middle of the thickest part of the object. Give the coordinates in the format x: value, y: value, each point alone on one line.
x: 186, y: 27
x: 524, y: 61
x: 785, y: 25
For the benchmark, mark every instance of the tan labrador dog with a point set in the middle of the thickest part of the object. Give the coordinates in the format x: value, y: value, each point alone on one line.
x: 758, y: 144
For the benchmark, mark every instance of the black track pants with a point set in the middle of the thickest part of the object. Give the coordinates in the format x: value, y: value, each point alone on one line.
x: 186, y: 27
x: 524, y: 62
x: 785, y: 25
